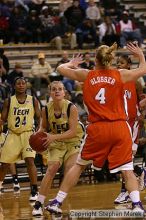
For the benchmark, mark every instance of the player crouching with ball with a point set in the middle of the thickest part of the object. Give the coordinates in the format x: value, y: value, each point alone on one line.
x: 60, y: 118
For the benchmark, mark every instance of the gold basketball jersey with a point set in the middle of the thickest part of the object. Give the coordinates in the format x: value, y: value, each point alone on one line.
x: 21, y: 115
x: 58, y: 125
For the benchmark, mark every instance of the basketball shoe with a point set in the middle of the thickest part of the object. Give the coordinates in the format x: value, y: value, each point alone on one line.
x: 54, y: 207
x: 16, y: 186
x: 34, y: 193
x: 138, y: 208
x: 37, y: 209
x: 123, y: 197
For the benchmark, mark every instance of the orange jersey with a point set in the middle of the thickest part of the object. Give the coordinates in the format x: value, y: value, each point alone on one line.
x: 103, y: 94
x: 132, y: 102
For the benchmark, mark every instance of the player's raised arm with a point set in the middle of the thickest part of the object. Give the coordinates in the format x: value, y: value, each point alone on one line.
x: 72, y: 71
x: 134, y: 74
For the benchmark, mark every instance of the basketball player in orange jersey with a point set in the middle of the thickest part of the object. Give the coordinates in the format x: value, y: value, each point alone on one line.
x: 108, y: 134
x: 133, y: 91
x: 19, y: 112
x: 60, y: 119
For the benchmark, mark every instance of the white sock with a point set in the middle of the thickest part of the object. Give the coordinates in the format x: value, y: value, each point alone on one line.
x: 41, y: 198
x: 61, y: 196
x: 135, y: 196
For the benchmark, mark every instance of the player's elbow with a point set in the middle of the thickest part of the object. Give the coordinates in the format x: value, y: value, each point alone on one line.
x: 73, y: 133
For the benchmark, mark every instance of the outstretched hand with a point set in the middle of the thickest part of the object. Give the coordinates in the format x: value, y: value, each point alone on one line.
x: 76, y: 60
x: 134, y: 48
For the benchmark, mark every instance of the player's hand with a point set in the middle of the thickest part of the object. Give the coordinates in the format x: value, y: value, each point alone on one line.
x: 76, y: 60
x: 50, y: 138
x: 134, y: 48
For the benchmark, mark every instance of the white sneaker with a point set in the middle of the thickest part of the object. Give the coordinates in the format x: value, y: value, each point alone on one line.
x: 37, y: 209
x: 16, y: 186
x: 123, y: 197
x: 33, y: 197
x: 138, y: 208
x: 54, y: 207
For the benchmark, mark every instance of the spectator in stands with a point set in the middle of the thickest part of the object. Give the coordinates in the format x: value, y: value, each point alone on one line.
x: 40, y: 72
x: 107, y: 32
x: 75, y: 14
x: 23, y: 3
x: 17, y: 72
x: 111, y: 8
x: 86, y: 32
x: 64, y: 5
x: 5, y: 60
x: 3, y: 90
x: 64, y: 59
x: 36, y: 5
x: 48, y: 24
x: 63, y: 34
x: 128, y: 31
x: 4, y: 28
x: 88, y: 63
x: 4, y: 8
x: 2, y: 71
x: 83, y: 4
x: 93, y: 12
x: 34, y: 27
x: 18, y: 31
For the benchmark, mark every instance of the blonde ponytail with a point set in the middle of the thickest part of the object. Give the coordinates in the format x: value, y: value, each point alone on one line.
x: 104, y: 54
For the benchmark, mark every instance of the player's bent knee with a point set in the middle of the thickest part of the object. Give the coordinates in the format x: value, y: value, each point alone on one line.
x: 53, y: 168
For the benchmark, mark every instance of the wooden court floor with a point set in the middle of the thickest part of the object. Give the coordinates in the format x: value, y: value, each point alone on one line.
x: 16, y: 206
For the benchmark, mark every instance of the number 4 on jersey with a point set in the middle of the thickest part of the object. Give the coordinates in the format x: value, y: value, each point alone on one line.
x: 100, y: 96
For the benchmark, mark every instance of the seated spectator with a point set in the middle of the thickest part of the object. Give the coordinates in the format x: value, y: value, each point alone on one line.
x: 93, y: 12
x: 64, y: 59
x: 4, y: 28
x: 107, y: 32
x: 88, y: 63
x: 75, y: 14
x: 64, y: 5
x: 17, y: 22
x: 5, y: 63
x: 34, y: 27
x: 17, y: 72
x: 128, y: 31
x: 2, y: 71
x: 4, y: 8
x: 4, y: 91
x: 48, y: 24
x: 64, y: 34
x: 111, y: 8
x: 86, y: 33
x: 40, y: 72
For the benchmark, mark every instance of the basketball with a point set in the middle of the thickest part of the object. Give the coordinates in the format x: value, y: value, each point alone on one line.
x: 37, y: 140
